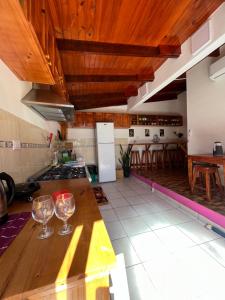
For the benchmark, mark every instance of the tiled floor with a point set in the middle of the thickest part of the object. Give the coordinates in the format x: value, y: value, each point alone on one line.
x: 169, y: 255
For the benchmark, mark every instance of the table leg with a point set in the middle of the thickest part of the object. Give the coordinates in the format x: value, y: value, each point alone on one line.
x: 190, y: 170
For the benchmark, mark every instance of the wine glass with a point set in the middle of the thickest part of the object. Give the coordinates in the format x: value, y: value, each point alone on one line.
x: 42, y: 212
x: 64, y: 209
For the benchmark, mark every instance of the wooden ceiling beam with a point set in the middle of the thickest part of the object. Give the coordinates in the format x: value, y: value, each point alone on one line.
x: 100, y: 103
x: 108, y: 78
x: 128, y: 92
x: 97, y: 97
x: 161, y: 51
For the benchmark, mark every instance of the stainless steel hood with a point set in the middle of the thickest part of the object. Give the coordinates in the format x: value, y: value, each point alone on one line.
x: 49, y: 105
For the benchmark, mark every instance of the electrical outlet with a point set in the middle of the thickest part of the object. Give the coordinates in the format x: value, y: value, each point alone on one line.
x: 189, y: 132
x: 16, y: 144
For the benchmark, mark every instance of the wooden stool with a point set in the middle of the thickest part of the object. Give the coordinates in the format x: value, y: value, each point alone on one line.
x: 135, y: 160
x: 158, y: 158
x: 209, y: 172
x: 173, y: 157
x: 145, y: 158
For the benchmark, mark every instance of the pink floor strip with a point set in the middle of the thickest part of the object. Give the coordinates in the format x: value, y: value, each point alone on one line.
x: 200, y: 209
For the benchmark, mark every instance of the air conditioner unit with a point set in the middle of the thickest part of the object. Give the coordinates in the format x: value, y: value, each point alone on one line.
x: 217, y: 69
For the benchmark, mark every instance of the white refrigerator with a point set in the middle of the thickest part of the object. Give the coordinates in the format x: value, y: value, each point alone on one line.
x: 106, y: 151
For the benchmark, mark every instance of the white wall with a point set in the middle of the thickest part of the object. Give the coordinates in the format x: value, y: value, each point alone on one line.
x: 11, y: 92
x: 176, y: 106
x: 205, y: 109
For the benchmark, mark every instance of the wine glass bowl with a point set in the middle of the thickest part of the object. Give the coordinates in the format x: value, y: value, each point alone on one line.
x: 42, y: 212
x: 64, y: 209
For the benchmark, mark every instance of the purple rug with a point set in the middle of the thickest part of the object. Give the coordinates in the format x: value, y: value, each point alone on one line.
x: 11, y: 229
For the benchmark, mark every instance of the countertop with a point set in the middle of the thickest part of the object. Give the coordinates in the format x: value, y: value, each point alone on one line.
x: 30, y: 265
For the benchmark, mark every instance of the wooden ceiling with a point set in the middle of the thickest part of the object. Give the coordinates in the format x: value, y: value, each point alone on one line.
x: 109, y: 47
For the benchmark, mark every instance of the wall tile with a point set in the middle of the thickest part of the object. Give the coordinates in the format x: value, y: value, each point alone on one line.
x: 24, y: 162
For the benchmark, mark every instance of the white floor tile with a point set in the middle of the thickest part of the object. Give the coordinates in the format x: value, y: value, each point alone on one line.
x: 197, y: 232
x: 160, y: 206
x: 134, y: 200
x: 125, y: 212
x: 115, y: 230
x: 124, y: 246
x: 216, y: 249
x: 156, y: 221
x: 173, y: 238
x: 128, y: 193
x: 188, y: 276
x: 175, y: 216
x: 147, y: 246
x: 140, y: 286
x: 109, y: 215
x: 105, y: 207
x: 112, y: 196
x: 149, y: 196
x: 144, y: 209
x: 120, y: 202
x: 134, y: 226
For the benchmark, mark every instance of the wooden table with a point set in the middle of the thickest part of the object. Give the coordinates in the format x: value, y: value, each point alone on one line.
x: 164, y: 143
x: 62, y: 267
x: 207, y: 158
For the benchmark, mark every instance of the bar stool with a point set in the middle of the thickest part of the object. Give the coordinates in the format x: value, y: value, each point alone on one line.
x: 173, y: 157
x: 146, y: 158
x: 211, y: 173
x: 158, y: 158
x: 135, y: 161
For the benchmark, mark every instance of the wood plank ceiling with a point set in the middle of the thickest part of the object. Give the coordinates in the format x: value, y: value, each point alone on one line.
x: 100, y: 43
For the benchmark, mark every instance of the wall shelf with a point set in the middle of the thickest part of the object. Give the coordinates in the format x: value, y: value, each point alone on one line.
x: 156, y: 120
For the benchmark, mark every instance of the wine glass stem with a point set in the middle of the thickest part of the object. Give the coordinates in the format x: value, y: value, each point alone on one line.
x: 65, y: 224
x: 44, y: 228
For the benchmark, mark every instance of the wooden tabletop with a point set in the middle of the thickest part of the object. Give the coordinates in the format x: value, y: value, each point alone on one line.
x: 30, y: 264
x: 161, y: 142
x: 206, y: 156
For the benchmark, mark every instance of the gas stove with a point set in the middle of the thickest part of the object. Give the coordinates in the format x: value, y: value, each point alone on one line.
x: 62, y: 172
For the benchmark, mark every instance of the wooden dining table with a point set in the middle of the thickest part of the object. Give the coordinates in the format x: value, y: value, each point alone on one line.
x: 206, y: 158
x: 165, y: 143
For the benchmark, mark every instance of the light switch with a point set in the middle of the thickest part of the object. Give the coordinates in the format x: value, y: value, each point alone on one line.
x: 16, y: 144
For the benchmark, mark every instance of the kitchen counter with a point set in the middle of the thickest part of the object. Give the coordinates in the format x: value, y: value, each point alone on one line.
x: 61, y: 267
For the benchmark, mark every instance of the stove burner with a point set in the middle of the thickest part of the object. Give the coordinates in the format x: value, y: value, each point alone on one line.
x: 63, y: 172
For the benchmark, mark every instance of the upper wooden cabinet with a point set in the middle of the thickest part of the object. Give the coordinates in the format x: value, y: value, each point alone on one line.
x: 39, y: 17
x: 19, y: 47
x: 88, y: 119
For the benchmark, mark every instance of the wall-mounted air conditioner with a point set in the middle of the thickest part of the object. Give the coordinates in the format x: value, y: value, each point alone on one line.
x: 217, y: 69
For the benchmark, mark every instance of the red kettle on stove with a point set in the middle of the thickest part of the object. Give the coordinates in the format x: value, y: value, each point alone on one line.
x: 7, y: 192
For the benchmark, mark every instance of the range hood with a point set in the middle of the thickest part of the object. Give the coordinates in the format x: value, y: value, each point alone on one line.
x: 49, y: 105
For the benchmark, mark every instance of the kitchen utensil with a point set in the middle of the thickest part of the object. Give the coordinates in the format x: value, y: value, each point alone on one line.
x: 217, y: 149
x: 64, y: 209
x: 7, y: 191
x: 42, y: 212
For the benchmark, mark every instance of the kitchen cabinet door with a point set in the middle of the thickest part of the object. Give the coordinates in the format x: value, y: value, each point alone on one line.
x: 89, y: 120
x: 99, y: 117
x: 79, y: 119
x: 122, y: 121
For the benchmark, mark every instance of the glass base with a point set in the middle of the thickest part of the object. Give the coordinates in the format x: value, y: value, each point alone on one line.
x: 65, y: 229
x: 44, y: 234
